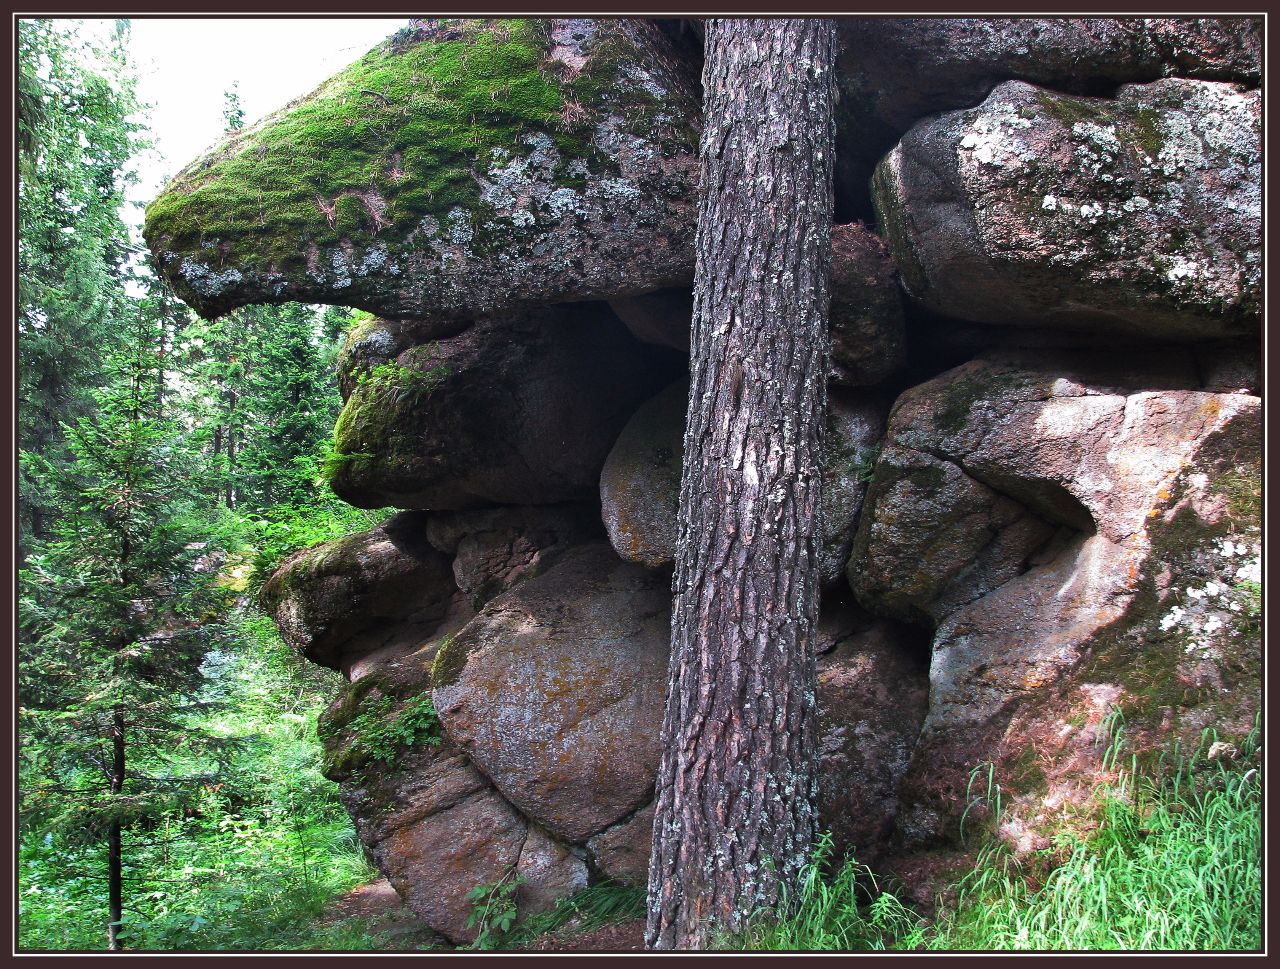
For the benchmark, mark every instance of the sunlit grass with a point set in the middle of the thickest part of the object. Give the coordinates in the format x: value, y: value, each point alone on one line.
x: 1175, y: 864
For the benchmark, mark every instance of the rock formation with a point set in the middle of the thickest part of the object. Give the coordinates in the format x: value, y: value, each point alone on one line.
x: 1043, y: 454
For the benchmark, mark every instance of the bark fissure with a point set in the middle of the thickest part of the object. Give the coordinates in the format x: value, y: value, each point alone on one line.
x: 735, y: 796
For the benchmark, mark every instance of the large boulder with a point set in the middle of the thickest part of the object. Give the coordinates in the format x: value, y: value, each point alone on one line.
x: 1134, y: 216
x: 462, y: 167
x: 433, y: 824
x: 894, y: 71
x: 1105, y: 460
x: 899, y: 69
x: 382, y: 592
x: 640, y: 483
x: 556, y: 690
x: 519, y: 410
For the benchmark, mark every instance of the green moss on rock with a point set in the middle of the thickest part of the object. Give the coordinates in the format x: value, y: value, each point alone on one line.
x: 391, y: 139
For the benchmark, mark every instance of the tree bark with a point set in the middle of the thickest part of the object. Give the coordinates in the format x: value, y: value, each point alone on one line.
x: 736, y: 788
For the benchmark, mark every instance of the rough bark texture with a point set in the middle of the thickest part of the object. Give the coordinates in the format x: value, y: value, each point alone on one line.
x: 736, y: 789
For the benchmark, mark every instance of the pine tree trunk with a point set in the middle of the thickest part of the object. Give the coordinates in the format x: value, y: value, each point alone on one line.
x: 736, y: 787
x: 115, y: 847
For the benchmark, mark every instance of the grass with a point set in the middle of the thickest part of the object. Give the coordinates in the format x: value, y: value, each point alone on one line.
x: 1175, y: 864
x: 585, y: 911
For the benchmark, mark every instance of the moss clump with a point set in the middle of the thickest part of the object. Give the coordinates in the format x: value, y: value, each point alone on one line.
x: 1148, y: 133
x: 449, y: 662
x: 375, y: 728
x: 389, y: 140
x: 1142, y: 125
x: 891, y: 218
x: 1069, y: 110
x: 371, y: 418
x: 1242, y: 489
x: 395, y: 142
x: 952, y: 409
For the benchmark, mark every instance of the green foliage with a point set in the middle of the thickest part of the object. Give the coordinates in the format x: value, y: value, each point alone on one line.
x: 278, y: 531
x: 75, y: 136
x: 1176, y: 864
x: 584, y: 911
x: 159, y: 455
x: 493, y: 911
x: 380, y: 736
x: 830, y: 911
x: 253, y: 861
x: 864, y: 467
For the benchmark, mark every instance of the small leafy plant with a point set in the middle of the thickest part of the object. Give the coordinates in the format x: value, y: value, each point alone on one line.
x: 493, y: 911
x: 864, y: 467
x: 378, y: 736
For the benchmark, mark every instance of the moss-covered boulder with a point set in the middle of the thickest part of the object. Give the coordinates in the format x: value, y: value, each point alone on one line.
x: 1137, y: 216
x: 514, y: 410
x: 461, y: 167
x: 362, y: 598
x: 1120, y: 468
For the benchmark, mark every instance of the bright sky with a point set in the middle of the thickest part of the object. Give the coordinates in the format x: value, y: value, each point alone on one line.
x: 185, y: 64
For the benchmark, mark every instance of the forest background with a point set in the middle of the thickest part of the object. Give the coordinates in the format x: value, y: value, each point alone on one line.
x: 168, y: 762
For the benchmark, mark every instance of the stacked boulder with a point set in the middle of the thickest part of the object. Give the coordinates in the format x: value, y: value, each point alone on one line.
x: 1042, y: 455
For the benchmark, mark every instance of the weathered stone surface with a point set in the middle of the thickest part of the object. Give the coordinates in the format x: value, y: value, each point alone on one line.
x: 663, y: 317
x: 555, y: 692
x: 1138, y: 215
x: 493, y: 549
x: 550, y: 870
x: 434, y: 825
x: 873, y: 691
x: 1102, y: 453
x: 855, y: 425
x: 621, y: 853
x: 868, y: 333
x: 463, y: 167
x: 382, y: 591
x: 896, y: 70
x: 435, y: 862
x: 640, y: 483
x: 520, y: 411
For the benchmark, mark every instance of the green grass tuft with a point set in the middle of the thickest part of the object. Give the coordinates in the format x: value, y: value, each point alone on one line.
x: 1176, y: 864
